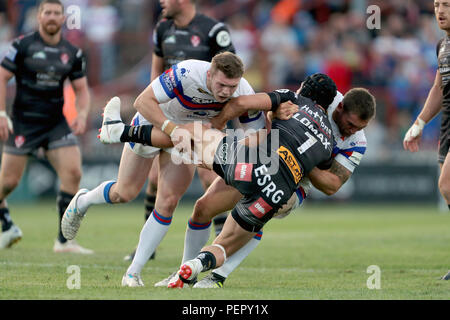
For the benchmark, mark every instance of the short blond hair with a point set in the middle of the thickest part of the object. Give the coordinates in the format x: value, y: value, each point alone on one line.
x: 229, y: 63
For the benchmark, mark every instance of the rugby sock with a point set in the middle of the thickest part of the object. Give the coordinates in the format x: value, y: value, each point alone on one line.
x: 449, y: 207
x: 62, y: 201
x: 5, y: 219
x: 235, y: 260
x: 98, y: 195
x: 219, y: 221
x: 138, y: 134
x: 207, y: 259
x: 149, y: 203
x: 197, y: 234
x: 151, y: 235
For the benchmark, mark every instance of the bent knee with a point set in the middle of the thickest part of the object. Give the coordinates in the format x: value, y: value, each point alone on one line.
x: 444, y: 188
x: 201, y: 212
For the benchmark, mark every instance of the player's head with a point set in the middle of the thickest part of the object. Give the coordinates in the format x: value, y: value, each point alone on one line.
x: 355, y: 111
x: 320, y: 88
x: 51, y: 16
x: 224, y: 75
x: 172, y: 8
x: 442, y: 13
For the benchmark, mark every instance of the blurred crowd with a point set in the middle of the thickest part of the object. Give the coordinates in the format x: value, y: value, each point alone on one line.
x: 280, y: 42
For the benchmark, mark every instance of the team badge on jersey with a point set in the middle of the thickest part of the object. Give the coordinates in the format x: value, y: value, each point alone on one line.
x: 19, y: 141
x: 223, y: 38
x: 64, y: 58
x: 195, y: 40
x: 12, y: 53
x: 259, y: 208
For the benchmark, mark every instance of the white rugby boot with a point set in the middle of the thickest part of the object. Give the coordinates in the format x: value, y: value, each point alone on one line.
x: 112, y: 125
x: 10, y: 237
x: 187, y: 274
x: 72, y: 217
x: 132, y: 280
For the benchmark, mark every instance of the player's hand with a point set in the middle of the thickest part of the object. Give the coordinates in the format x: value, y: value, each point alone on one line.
x: 5, y: 127
x: 218, y: 122
x: 413, y: 136
x: 78, y: 125
x: 286, y: 110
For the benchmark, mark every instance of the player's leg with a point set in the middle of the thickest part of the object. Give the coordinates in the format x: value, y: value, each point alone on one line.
x: 69, y: 174
x: 173, y: 181
x: 133, y: 170
x: 12, y: 168
x: 230, y: 240
x: 149, y: 200
x: 206, y: 178
x: 444, y: 180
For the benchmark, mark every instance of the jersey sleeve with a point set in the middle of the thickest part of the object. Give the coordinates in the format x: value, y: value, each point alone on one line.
x: 169, y: 84
x: 12, y: 57
x: 79, y: 66
x: 157, y: 39
x: 350, y: 157
x: 438, y: 46
x: 220, y: 39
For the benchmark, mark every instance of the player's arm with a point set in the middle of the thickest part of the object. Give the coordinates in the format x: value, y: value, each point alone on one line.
x: 82, y: 104
x: 148, y: 106
x: 5, y: 127
x: 331, y: 180
x: 432, y: 107
x: 259, y: 101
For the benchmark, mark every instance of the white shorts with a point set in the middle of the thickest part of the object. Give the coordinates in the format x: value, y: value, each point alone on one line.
x: 151, y: 152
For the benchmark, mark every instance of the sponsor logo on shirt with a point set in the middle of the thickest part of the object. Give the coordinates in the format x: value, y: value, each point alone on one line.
x: 289, y: 159
x: 243, y: 172
x: 259, y: 208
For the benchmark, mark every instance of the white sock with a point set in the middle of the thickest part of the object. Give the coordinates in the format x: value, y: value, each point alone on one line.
x: 197, y: 235
x: 235, y: 260
x: 154, y: 230
x: 98, y: 195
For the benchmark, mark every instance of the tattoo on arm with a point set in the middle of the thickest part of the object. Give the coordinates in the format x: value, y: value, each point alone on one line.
x: 340, y: 171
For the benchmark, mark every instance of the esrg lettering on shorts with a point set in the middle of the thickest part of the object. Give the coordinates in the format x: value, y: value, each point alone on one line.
x: 259, y: 208
x: 243, y: 172
x: 291, y: 162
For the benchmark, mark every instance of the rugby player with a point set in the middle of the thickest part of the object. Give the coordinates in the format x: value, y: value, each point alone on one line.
x: 41, y: 61
x: 438, y: 99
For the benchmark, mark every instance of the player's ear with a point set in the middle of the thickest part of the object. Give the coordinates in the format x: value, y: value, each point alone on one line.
x: 299, y: 89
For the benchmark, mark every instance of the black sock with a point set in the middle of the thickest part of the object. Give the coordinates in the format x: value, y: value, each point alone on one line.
x: 149, y: 203
x: 449, y: 207
x: 5, y: 219
x: 62, y: 201
x: 138, y: 134
x: 208, y: 260
x: 219, y: 221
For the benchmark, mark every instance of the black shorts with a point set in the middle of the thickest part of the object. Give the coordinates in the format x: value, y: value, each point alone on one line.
x: 265, y: 185
x: 28, y: 138
x: 444, y: 138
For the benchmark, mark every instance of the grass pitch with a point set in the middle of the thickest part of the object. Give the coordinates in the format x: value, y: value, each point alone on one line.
x: 319, y: 252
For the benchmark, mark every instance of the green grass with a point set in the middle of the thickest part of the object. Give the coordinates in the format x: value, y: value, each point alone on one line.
x: 320, y: 252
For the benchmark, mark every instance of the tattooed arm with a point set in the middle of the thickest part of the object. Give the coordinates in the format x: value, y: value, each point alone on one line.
x: 331, y: 180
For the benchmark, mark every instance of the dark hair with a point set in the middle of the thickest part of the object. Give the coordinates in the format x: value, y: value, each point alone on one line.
x: 41, y: 4
x: 229, y: 63
x: 320, y: 88
x: 360, y: 102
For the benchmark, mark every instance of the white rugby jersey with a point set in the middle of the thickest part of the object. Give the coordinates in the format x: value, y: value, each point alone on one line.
x: 348, y: 151
x: 184, y: 96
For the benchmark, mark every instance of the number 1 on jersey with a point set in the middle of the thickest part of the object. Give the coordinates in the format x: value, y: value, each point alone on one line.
x: 307, y: 144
